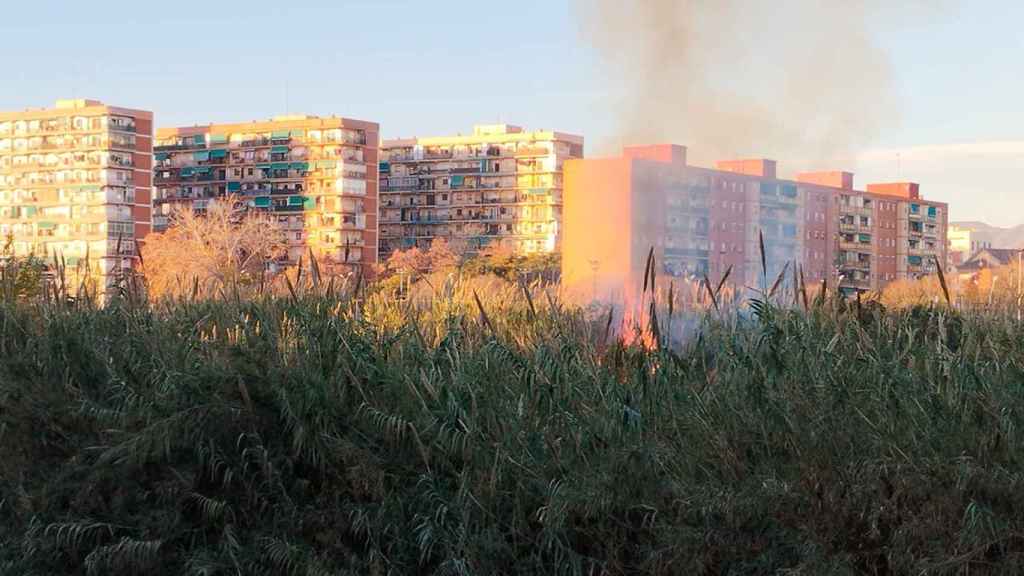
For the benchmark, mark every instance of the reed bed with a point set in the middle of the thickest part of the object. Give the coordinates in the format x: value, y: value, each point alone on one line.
x: 493, y: 428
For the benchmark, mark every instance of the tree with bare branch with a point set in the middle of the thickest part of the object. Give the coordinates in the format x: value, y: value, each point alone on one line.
x: 226, y: 249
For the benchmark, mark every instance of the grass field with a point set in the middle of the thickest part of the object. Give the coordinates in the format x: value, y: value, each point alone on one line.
x: 327, y: 433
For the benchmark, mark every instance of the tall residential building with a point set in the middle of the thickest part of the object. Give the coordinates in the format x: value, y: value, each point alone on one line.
x: 705, y: 221
x: 75, y: 182
x: 499, y: 185
x: 309, y: 173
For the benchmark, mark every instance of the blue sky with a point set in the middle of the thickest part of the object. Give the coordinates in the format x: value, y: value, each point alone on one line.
x: 423, y: 68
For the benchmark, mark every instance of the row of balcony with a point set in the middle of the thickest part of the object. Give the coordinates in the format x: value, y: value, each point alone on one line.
x: 490, y: 153
x: 45, y: 129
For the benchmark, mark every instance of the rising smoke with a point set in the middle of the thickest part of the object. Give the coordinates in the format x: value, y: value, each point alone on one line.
x: 802, y: 81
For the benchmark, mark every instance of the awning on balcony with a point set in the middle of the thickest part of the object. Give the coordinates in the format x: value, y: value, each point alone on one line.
x: 308, y: 203
x: 187, y: 171
x: 279, y: 150
x: 161, y: 156
x: 219, y: 153
x: 234, y: 186
x: 199, y: 140
x: 261, y: 202
x: 457, y: 180
x: 203, y: 170
x: 264, y: 166
x: 384, y: 167
x: 295, y: 200
x: 298, y: 133
x: 326, y: 163
x: 304, y: 166
x: 279, y: 166
x: 280, y: 135
x: 218, y: 138
x: 46, y: 225
x: 201, y: 156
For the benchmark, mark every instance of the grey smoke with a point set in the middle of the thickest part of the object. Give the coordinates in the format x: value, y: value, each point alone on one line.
x: 802, y: 81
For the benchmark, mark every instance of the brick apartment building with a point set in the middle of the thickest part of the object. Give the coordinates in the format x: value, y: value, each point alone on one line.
x: 704, y: 221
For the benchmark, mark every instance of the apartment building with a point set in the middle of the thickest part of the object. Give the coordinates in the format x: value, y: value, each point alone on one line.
x: 706, y: 221
x: 76, y: 183
x: 916, y: 230
x: 309, y: 173
x: 502, y: 184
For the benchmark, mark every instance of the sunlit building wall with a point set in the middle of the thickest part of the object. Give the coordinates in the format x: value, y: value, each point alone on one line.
x: 75, y: 184
x: 499, y: 185
x: 316, y: 177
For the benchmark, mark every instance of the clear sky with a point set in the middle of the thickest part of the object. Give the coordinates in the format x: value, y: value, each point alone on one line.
x: 425, y: 68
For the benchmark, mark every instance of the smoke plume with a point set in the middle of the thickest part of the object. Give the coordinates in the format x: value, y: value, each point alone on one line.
x: 801, y: 81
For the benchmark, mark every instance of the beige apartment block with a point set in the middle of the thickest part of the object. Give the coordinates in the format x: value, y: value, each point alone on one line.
x: 316, y: 176
x: 75, y: 184
x: 501, y: 185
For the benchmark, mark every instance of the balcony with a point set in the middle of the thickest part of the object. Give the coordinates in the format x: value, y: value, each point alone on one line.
x: 860, y: 283
x: 533, y: 151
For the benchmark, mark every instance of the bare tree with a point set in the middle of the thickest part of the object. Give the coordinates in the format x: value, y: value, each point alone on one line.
x: 226, y: 248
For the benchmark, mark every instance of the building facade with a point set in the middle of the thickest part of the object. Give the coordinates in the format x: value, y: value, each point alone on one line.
x: 317, y: 177
x: 76, y: 183
x: 707, y: 221
x: 500, y: 185
x: 963, y: 244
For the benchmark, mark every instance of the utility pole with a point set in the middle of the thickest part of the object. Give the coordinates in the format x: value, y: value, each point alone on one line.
x: 1019, y: 294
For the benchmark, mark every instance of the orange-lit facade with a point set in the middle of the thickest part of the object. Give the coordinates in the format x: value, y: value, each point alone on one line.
x: 706, y: 221
x: 316, y: 176
x: 76, y: 183
x: 500, y: 185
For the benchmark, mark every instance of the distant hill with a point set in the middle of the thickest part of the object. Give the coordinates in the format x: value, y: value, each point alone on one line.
x: 999, y: 237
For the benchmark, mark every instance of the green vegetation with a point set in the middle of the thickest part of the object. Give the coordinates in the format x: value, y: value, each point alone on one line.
x: 506, y: 432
